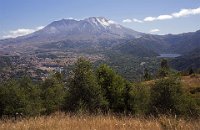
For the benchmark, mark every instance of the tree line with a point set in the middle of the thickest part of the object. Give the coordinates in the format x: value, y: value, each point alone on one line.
x: 99, y: 90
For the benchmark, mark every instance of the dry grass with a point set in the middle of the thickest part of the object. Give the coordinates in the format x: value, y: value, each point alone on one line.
x: 61, y: 121
x: 192, y: 81
x: 188, y: 82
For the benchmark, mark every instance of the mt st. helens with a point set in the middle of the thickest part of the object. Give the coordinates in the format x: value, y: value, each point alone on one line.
x: 101, y: 33
x: 61, y: 42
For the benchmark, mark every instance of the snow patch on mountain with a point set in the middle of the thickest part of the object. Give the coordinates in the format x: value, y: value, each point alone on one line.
x: 100, y: 21
x: 103, y: 22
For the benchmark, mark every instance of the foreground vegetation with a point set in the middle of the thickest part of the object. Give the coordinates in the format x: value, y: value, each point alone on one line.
x: 93, y: 91
x: 61, y: 121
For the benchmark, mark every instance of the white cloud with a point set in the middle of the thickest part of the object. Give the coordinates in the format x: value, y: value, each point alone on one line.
x: 154, y: 30
x: 132, y: 20
x: 181, y: 13
x: 164, y: 17
x: 160, y: 17
x: 137, y: 21
x: 149, y: 19
x: 186, y: 12
x: 127, y: 21
x: 21, y: 32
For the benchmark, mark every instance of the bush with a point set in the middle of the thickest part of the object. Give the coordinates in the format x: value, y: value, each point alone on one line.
x: 32, y: 93
x: 113, y: 88
x: 164, y: 69
x: 20, y: 96
x: 140, y: 99
x: 52, y: 95
x: 168, y: 97
x: 12, y: 98
x: 84, y: 93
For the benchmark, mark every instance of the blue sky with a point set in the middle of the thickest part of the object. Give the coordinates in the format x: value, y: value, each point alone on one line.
x: 149, y: 16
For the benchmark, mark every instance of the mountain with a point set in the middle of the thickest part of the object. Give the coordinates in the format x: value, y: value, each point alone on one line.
x: 100, y: 34
x: 184, y: 43
x: 187, y: 61
x: 129, y: 48
x: 179, y: 43
x: 89, y: 29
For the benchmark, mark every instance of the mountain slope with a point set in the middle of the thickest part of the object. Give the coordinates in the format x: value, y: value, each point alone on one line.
x: 183, y: 43
x: 189, y: 60
x: 98, y: 33
x: 130, y: 48
x: 180, y: 44
x: 90, y: 29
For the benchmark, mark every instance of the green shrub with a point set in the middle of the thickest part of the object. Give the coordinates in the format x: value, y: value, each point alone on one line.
x: 140, y: 99
x: 52, y: 95
x: 113, y: 88
x: 84, y: 93
x: 20, y: 96
x: 168, y: 97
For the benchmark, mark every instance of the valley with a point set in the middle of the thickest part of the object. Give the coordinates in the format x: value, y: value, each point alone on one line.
x: 61, y: 43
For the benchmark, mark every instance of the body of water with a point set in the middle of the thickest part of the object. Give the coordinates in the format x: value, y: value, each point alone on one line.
x: 168, y: 55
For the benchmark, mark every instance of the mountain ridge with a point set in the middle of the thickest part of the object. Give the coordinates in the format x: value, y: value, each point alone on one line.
x: 88, y: 29
x: 100, y: 33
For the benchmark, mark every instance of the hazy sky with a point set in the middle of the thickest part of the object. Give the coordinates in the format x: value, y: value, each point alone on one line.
x: 19, y: 17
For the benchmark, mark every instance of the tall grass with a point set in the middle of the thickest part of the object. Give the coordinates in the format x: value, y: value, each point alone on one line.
x: 61, y: 121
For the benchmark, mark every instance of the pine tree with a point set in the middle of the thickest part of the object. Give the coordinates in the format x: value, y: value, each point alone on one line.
x: 113, y: 87
x: 53, y: 94
x: 147, y: 75
x: 164, y: 69
x: 83, y: 89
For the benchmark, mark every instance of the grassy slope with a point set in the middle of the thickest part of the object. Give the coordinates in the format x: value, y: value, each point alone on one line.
x: 191, y: 81
x: 99, y: 122
x: 188, y: 82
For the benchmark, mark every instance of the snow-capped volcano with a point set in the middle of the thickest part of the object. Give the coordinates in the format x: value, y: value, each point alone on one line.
x: 92, y: 28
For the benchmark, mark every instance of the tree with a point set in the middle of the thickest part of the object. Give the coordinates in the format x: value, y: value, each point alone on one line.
x: 140, y: 99
x: 20, y: 96
x: 53, y: 95
x: 147, y: 75
x: 127, y: 98
x: 164, y: 96
x: 190, y: 71
x: 168, y: 97
x: 84, y: 93
x: 113, y: 87
x: 164, y: 69
x: 164, y: 64
x: 11, y: 98
x: 32, y: 94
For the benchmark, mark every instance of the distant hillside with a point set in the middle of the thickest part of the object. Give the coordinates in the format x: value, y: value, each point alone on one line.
x: 137, y: 50
x: 184, y: 43
x: 189, y: 60
x: 180, y: 44
x: 99, y: 33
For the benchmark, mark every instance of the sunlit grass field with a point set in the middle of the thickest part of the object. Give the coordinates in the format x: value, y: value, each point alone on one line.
x: 61, y: 121
x: 188, y: 82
